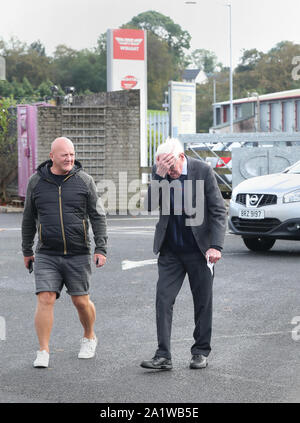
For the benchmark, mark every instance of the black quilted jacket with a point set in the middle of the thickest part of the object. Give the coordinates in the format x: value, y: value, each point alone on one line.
x: 61, y: 214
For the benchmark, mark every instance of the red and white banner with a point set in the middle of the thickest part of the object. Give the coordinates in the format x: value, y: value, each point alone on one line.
x: 127, y: 70
x: 129, y: 44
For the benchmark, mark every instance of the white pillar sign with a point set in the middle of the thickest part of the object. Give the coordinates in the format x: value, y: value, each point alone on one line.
x: 182, y: 99
x: 127, y: 69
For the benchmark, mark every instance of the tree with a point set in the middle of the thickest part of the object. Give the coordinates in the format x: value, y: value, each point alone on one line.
x: 84, y: 69
x: 267, y: 72
x: 38, y: 47
x: 160, y: 70
x: 27, y: 87
x: 249, y: 60
x: 6, y: 89
x: 25, y: 61
x: 167, y: 43
x: 44, y: 89
x: 167, y: 30
x: 18, y: 90
x: 205, y: 60
x: 8, y: 146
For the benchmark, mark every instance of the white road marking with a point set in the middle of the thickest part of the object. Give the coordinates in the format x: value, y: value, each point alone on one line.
x: 132, y: 233
x: 129, y: 227
x: 128, y: 264
x: 10, y: 229
x: 132, y: 219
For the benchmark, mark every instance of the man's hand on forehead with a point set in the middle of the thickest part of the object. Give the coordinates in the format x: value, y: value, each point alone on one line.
x: 163, y: 163
x: 166, y: 158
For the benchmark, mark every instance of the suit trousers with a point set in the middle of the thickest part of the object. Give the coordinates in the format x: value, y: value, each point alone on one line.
x: 172, y: 269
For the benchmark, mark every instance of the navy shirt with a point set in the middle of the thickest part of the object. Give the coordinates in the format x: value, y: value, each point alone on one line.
x: 179, y: 236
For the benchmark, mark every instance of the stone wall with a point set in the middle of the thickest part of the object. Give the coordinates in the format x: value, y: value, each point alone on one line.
x: 49, y: 128
x: 122, y: 99
x: 115, y: 137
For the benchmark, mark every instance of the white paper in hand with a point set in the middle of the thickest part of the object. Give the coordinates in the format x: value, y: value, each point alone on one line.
x: 210, y: 265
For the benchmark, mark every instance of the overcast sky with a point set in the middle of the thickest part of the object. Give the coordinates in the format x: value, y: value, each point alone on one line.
x: 78, y: 23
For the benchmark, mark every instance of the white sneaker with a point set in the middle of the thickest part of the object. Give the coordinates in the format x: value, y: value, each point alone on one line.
x: 88, y: 347
x: 42, y: 359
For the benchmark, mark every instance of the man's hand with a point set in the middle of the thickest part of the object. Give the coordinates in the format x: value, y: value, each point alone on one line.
x: 213, y: 255
x: 163, y: 163
x: 27, y: 260
x: 99, y: 260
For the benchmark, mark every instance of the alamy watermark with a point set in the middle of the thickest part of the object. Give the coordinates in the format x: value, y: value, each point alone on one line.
x: 296, y: 70
x: 2, y: 329
x: 162, y: 197
x: 296, y: 330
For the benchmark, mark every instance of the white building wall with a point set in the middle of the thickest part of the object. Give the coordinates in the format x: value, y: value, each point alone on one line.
x: 288, y: 116
x: 276, y: 117
x: 264, y: 117
x: 298, y: 115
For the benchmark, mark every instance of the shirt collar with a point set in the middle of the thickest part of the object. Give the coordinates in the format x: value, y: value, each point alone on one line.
x: 184, y: 167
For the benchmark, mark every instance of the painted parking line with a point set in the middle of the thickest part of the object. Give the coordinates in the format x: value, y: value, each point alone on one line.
x: 129, y: 264
x: 10, y: 229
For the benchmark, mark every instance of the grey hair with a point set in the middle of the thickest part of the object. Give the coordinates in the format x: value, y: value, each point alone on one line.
x: 171, y: 145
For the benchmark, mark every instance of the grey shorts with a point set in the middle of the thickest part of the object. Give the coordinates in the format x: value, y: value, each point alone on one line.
x: 53, y: 272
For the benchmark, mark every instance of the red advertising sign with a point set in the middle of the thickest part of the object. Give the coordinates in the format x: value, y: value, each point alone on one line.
x: 128, y: 44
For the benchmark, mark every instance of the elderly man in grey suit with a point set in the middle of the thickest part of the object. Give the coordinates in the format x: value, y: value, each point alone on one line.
x: 189, y: 238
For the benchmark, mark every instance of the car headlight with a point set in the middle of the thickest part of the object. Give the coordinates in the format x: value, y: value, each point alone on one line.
x: 292, y: 197
x: 233, y: 196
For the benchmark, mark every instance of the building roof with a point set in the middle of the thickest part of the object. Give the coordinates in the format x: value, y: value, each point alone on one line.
x: 281, y: 95
x: 190, y: 74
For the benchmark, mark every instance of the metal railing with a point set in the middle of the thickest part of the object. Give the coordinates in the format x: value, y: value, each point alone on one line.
x: 207, y: 147
x: 158, y: 131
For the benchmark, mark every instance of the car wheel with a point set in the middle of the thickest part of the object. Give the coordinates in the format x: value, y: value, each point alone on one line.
x: 259, y: 244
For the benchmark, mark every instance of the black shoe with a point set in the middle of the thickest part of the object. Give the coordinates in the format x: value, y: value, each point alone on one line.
x: 159, y: 363
x: 198, y: 362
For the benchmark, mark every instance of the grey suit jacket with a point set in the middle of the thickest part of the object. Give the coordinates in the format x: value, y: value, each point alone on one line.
x: 210, y: 231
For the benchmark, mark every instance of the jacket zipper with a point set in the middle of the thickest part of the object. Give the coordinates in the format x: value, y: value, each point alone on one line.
x: 84, y: 229
x: 61, y: 221
x: 60, y: 212
x: 40, y: 231
x: 61, y: 216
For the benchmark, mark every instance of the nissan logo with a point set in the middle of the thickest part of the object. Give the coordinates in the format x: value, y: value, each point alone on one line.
x: 253, y: 199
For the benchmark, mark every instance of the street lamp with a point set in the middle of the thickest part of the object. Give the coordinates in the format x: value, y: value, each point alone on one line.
x: 231, y: 72
x: 230, y: 77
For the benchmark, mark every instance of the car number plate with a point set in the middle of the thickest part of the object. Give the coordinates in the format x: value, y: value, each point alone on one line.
x: 251, y: 214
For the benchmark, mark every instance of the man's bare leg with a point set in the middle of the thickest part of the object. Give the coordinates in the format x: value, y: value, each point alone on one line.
x: 44, y: 318
x: 87, y: 314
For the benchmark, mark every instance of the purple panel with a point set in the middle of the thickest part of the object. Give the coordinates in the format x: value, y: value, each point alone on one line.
x: 27, y: 144
x: 23, y: 152
x: 32, y: 138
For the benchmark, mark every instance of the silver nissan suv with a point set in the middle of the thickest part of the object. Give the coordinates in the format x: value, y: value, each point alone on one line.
x: 266, y: 208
